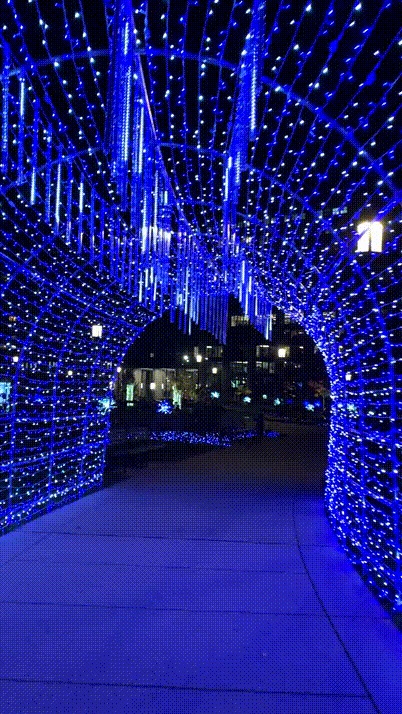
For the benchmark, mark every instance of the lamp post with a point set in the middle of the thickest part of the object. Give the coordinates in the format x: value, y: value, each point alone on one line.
x: 371, y: 235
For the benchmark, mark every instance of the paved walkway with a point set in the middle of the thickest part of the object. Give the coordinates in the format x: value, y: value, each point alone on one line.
x: 211, y: 584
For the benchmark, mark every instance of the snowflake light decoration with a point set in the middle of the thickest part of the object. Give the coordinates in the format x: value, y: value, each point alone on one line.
x: 164, y: 407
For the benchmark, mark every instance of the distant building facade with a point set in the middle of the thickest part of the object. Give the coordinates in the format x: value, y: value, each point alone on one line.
x: 247, y: 367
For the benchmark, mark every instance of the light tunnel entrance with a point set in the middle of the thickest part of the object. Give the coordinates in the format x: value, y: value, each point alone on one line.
x: 128, y: 188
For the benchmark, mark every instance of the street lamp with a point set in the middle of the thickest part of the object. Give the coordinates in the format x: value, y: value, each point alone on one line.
x: 97, y: 330
x: 370, y: 240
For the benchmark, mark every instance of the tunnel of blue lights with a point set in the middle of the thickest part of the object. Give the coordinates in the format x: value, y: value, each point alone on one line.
x: 158, y: 156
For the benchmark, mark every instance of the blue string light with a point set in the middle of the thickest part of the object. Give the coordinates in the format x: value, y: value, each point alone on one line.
x: 167, y: 156
x: 212, y: 439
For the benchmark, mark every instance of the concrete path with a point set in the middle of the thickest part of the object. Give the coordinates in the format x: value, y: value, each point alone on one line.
x: 211, y: 584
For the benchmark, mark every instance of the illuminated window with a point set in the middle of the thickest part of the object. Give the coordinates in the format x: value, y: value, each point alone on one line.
x: 5, y: 396
x: 237, y: 320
